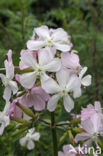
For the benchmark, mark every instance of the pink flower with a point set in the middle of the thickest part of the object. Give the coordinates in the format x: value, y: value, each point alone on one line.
x: 92, y: 128
x: 53, y: 38
x: 7, y: 80
x: 15, y: 111
x: 35, y: 97
x: 69, y: 150
x: 71, y: 61
x: 87, y: 113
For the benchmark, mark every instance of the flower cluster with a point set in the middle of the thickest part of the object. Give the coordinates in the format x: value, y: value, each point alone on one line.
x: 92, y: 129
x: 49, y: 70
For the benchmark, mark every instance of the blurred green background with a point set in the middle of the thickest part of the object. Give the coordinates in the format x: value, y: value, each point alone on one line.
x: 83, y: 20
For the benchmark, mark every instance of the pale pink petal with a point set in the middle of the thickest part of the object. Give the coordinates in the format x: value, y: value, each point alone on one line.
x: 68, y: 103
x: 9, y: 70
x: 28, y: 60
x: 81, y: 137
x: 39, y: 103
x: 45, y: 56
x: 15, y: 111
x: 70, y: 60
x: 63, y: 77
x: 7, y: 93
x: 10, y: 56
x: 50, y: 86
x: 88, y: 126
x: 3, y: 78
x: 40, y: 92
x: 13, y: 86
x: 27, y: 80
x: 53, y: 66
x: 52, y: 103
x: 59, y: 35
x: 62, y: 47
x: 73, y: 83
x: 35, y: 45
x: 42, y: 32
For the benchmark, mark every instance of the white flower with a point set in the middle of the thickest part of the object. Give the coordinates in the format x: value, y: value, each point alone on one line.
x: 85, y: 81
x: 46, y: 63
x: 4, y: 118
x: 10, y: 85
x: 30, y: 138
x: 66, y: 84
x: 53, y: 38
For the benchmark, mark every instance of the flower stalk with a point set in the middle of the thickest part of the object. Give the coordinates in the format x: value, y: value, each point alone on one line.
x: 54, y: 135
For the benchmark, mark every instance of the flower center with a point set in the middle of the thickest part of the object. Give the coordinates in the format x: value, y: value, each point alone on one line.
x: 49, y: 42
x: 28, y: 137
x: 39, y: 70
x: 78, y: 69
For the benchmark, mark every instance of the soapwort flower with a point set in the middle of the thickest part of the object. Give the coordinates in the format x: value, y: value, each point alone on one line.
x: 66, y: 84
x: 7, y: 80
x: 46, y: 63
x: 29, y: 139
x: 53, y: 38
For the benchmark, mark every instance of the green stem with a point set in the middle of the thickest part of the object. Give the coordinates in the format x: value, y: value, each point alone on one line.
x: 54, y: 136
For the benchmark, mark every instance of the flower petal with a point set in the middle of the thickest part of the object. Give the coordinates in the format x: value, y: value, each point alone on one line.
x: 53, y: 66
x: 7, y: 93
x: 45, y: 56
x: 38, y: 103
x: 35, y: 45
x: 28, y: 59
x: 27, y: 80
x: 52, y: 103
x: 30, y: 145
x: 22, y: 141
x: 82, y: 72
x: 62, y: 47
x: 62, y: 77
x: 42, y: 32
x: 50, y: 86
x: 86, y: 81
x: 13, y: 86
x: 81, y: 137
x: 36, y: 136
x: 77, y: 92
x: 59, y: 35
x: 9, y: 70
x: 40, y: 92
x: 68, y: 103
x: 73, y: 83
